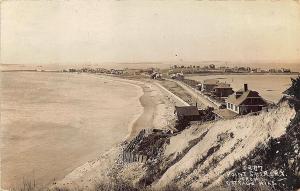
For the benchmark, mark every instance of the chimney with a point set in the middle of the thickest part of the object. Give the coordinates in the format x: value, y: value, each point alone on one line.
x: 245, y: 87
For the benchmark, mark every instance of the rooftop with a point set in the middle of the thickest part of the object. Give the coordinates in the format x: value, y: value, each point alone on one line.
x: 223, y: 85
x: 211, y: 81
x: 186, y: 110
x: 225, y: 113
x: 240, y: 99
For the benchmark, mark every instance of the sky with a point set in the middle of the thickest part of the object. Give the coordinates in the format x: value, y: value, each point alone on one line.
x: 97, y: 31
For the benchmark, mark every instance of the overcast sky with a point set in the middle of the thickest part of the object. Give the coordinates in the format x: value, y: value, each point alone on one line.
x: 63, y: 31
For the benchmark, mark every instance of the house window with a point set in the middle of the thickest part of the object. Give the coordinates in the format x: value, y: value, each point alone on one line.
x: 228, y: 105
x: 231, y: 106
x: 235, y: 108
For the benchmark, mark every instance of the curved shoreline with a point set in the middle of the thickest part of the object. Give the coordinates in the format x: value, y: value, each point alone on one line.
x: 139, y: 119
x: 135, y: 112
x: 154, y: 110
x: 157, y: 112
x: 148, y: 101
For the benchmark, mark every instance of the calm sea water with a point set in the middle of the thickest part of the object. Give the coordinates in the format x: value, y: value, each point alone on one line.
x: 55, y: 122
x: 269, y: 86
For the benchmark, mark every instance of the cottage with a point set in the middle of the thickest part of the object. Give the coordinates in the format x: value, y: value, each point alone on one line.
x: 179, y: 76
x: 192, y: 113
x: 173, y: 76
x: 155, y: 75
x: 245, y: 101
x: 209, y: 85
x: 187, y: 113
x: 116, y: 72
x: 222, y: 90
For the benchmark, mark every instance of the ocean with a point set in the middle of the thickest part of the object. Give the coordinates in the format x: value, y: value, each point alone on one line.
x: 52, y: 123
x: 269, y: 87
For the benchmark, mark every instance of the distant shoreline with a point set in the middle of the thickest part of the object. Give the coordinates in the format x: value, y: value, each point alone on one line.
x: 30, y: 71
x: 233, y: 73
x: 194, y: 74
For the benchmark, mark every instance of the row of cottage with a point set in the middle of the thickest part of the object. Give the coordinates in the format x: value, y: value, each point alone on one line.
x: 241, y: 102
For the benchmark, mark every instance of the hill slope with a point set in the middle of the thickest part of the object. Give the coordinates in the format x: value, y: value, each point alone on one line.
x: 219, y: 146
x: 212, y: 156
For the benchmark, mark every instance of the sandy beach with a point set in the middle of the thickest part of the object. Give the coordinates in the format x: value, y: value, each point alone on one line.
x: 157, y: 105
x: 158, y: 113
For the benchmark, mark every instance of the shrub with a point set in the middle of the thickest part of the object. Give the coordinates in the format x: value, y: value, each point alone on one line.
x: 294, y: 90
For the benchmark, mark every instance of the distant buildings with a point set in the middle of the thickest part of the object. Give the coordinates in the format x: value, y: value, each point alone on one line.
x: 177, y: 76
x: 216, y: 89
x: 256, y: 70
x: 116, y: 72
x: 286, y: 70
x: 222, y: 90
x: 245, y: 101
x: 156, y: 76
x: 209, y: 85
x: 40, y: 69
x: 212, y: 68
x: 282, y: 70
x: 241, y: 102
x: 72, y: 70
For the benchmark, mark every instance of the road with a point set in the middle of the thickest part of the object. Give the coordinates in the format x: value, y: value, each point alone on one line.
x: 196, y: 94
x: 178, y: 100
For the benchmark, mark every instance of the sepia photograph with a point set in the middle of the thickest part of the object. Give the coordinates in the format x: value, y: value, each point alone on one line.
x: 150, y: 95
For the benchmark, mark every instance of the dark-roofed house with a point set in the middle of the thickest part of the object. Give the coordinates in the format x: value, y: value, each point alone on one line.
x: 192, y: 113
x: 245, y: 101
x: 209, y: 85
x: 222, y: 90
x: 187, y: 113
